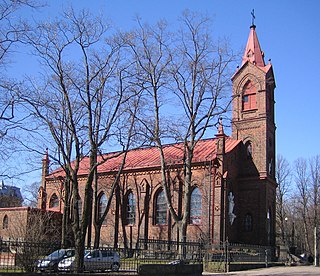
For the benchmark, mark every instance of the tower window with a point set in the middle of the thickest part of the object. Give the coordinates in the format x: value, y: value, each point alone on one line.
x: 249, y: 96
x: 160, y: 209
x: 195, y: 206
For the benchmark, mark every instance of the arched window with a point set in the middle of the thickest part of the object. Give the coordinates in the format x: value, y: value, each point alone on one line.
x: 5, y: 223
x: 249, y: 96
x: 160, y: 209
x: 131, y: 208
x: 54, y: 201
x: 195, y: 206
x: 248, y: 223
x: 248, y: 146
x: 102, y: 205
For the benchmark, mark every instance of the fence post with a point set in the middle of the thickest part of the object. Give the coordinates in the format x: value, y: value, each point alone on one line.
x: 226, y: 246
x: 266, y: 257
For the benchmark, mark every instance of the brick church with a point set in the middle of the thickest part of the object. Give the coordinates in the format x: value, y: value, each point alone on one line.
x: 234, y: 188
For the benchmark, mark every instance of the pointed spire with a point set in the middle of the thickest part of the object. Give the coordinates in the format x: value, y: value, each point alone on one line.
x: 253, y: 51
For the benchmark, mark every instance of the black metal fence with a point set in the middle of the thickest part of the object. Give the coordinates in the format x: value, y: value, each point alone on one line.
x: 16, y: 256
x: 192, y: 251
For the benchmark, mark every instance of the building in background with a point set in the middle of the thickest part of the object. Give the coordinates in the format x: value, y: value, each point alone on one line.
x: 10, y: 196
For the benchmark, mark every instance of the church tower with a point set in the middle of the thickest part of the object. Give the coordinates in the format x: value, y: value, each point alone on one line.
x: 253, y: 122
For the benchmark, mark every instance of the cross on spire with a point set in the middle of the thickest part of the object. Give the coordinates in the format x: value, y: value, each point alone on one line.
x: 253, y: 17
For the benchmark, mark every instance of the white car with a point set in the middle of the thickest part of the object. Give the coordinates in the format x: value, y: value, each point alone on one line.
x: 94, y: 260
x: 51, y: 261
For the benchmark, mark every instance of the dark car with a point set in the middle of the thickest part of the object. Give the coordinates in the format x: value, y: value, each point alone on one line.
x: 50, y: 262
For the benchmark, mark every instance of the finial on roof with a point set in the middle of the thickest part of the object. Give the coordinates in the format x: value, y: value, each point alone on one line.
x: 252, y: 20
x: 220, y: 128
x: 46, y: 155
x: 2, y: 184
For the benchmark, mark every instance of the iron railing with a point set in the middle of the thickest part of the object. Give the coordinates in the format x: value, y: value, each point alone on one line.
x: 25, y: 256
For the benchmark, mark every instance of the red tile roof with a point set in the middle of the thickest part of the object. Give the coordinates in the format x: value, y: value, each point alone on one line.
x: 147, y: 158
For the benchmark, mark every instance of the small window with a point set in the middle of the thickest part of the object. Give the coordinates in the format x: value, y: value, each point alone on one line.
x: 5, y: 223
x: 131, y: 208
x: 54, y: 201
x: 160, y: 209
x: 195, y: 206
x: 248, y: 223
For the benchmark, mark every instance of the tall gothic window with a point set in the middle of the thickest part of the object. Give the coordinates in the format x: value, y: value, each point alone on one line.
x: 102, y: 204
x: 160, y: 209
x: 195, y: 206
x: 54, y: 201
x: 131, y: 208
x: 5, y: 223
x: 249, y: 96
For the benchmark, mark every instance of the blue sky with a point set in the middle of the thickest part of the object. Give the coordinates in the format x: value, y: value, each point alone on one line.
x: 288, y: 31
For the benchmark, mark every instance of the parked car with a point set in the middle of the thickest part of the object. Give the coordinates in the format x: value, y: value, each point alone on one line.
x: 50, y: 262
x: 94, y: 260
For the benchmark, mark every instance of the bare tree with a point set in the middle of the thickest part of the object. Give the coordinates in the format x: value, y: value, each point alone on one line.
x: 315, y: 197
x: 202, y: 78
x: 12, y: 27
x: 315, y: 186
x: 189, y: 70
x: 127, y: 123
x: 304, y: 205
x: 31, y: 194
x: 283, y: 176
x: 79, y: 98
x: 12, y: 30
x: 32, y: 229
x: 302, y: 180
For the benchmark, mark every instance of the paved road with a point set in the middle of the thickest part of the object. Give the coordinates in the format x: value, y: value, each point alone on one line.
x: 283, y: 271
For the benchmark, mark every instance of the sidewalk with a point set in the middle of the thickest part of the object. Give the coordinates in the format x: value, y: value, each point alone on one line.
x: 281, y: 270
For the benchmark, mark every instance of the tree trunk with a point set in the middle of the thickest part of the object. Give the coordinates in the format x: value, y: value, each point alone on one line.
x: 66, y: 240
